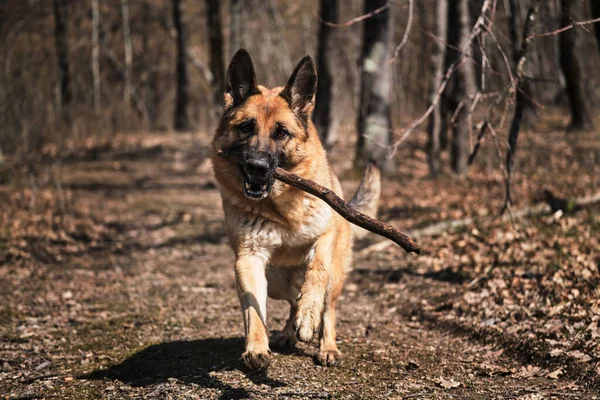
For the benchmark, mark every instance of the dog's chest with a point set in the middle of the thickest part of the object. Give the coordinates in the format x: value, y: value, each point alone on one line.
x: 312, y: 221
x: 290, y: 244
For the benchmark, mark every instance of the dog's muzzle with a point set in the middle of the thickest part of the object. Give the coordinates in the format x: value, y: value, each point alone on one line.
x: 258, y: 174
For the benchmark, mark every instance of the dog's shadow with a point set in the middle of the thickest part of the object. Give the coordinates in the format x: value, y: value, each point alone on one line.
x: 186, y: 361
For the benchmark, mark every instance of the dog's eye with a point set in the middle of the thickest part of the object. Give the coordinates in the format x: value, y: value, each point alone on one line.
x: 281, y: 133
x: 246, y: 128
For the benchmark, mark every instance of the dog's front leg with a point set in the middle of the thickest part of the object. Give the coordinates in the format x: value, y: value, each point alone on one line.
x: 251, y: 285
x: 312, y: 294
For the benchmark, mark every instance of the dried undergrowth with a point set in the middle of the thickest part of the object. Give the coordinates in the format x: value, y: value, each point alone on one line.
x: 118, y: 282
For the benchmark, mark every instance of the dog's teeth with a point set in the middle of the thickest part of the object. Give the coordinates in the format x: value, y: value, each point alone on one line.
x: 263, y: 187
x: 247, y: 185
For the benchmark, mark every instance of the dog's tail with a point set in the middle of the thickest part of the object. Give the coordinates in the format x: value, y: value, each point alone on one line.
x: 366, y: 198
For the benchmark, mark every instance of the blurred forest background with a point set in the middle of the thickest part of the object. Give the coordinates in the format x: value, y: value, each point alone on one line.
x: 114, y: 264
x: 72, y: 69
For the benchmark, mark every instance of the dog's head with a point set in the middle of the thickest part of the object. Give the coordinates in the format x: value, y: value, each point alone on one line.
x: 269, y: 127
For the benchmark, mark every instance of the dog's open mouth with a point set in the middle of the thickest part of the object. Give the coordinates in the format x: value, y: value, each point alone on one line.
x: 257, y: 191
x: 256, y: 188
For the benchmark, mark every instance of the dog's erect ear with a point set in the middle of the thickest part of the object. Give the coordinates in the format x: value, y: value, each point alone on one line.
x: 241, y: 79
x: 301, y: 87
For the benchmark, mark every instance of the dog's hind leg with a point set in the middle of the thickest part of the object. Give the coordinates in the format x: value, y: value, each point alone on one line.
x: 328, y: 352
x: 286, y: 339
x: 284, y: 284
x: 251, y: 285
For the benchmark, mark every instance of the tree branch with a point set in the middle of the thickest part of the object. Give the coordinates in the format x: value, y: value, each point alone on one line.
x: 353, y: 20
x: 482, y: 131
x: 566, y: 28
x: 338, y: 205
x: 462, y: 58
x: 406, y: 32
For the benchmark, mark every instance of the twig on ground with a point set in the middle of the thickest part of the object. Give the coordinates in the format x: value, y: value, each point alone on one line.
x: 339, y: 205
x: 32, y: 379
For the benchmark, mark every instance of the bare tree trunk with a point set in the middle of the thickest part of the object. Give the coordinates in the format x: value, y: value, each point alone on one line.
x: 571, y: 67
x: 437, y: 121
x: 374, y: 120
x: 276, y: 36
x: 514, y: 11
x: 595, y: 7
x: 215, y: 34
x: 465, y: 86
x: 520, y: 102
x: 128, y: 55
x: 181, y: 122
x: 151, y: 97
x: 235, y: 34
x: 322, y: 115
x: 96, y: 55
x: 62, y: 57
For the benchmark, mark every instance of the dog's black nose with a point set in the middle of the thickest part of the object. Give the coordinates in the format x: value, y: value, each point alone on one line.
x: 258, y: 166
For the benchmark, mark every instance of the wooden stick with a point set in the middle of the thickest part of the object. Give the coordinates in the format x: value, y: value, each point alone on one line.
x: 338, y: 205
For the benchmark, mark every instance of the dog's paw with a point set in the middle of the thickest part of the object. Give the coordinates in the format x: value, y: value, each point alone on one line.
x: 308, y: 320
x: 256, y: 362
x: 284, y: 341
x: 329, y: 358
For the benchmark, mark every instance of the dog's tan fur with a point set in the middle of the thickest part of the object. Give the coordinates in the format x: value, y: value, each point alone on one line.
x: 289, y: 245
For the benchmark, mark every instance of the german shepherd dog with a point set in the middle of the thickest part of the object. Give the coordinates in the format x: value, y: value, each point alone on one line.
x: 289, y: 245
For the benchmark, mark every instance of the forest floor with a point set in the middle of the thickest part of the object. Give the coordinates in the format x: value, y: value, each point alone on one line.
x: 117, y: 282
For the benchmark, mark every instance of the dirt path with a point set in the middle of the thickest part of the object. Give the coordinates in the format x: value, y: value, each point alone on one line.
x: 148, y: 309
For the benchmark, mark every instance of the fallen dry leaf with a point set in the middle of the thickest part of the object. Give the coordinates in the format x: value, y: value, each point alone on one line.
x: 529, y: 371
x: 555, y: 374
x: 448, y: 384
x: 580, y: 355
